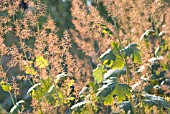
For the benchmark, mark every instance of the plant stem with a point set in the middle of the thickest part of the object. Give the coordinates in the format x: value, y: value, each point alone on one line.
x: 12, y: 98
x: 128, y: 82
x: 117, y: 31
x: 126, y: 64
x: 127, y: 71
x: 55, y: 85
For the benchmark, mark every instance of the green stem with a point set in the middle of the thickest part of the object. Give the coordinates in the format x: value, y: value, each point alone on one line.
x: 30, y: 82
x: 128, y: 82
x: 117, y: 32
x: 11, y: 98
x: 55, y: 85
x: 127, y: 71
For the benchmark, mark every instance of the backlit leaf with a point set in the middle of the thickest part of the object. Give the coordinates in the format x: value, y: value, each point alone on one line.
x: 41, y: 62
x: 79, y: 104
x: 29, y: 70
x: 114, y: 73
x: 71, y: 98
x: 98, y: 73
x: 5, y: 86
x: 148, y: 32
x: 71, y: 82
x: 118, y: 63
x: 122, y: 90
x: 132, y: 51
x: 106, y: 30
x: 151, y: 100
x: 109, y: 100
x: 108, y: 55
x: 137, y: 57
x: 108, y: 87
x: 17, y: 107
x: 33, y: 87
x: 116, y: 48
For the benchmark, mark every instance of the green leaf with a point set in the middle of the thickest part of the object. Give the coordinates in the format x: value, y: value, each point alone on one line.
x: 94, y: 86
x: 17, y: 107
x: 157, y: 50
x: 41, y: 62
x: 116, y: 48
x: 132, y: 50
x: 80, y: 104
x: 109, y: 100
x: 152, y: 100
x: 5, y: 86
x: 33, y: 88
x: 118, y: 63
x: 107, y: 88
x: 60, y: 94
x: 98, y: 73
x: 122, y: 90
x: 147, y: 33
x: 108, y: 55
x: 71, y: 83
x: 114, y: 73
x: 61, y: 76
x: 137, y: 57
x: 29, y: 70
x: 126, y: 106
x: 106, y: 30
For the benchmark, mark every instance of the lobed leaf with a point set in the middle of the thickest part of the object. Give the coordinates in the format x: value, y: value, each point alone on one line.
x: 152, y: 100
x: 106, y: 30
x: 41, y: 62
x: 109, y: 100
x: 114, y: 73
x: 126, y: 106
x: 118, y: 63
x: 80, y: 104
x: 32, y: 88
x: 132, y: 50
x: 5, y: 86
x: 17, y: 107
x: 122, y: 90
x: 30, y: 70
x: 108, y: 87
x: 108, y: 55
x: 98, y: 73
x: 147, y: 33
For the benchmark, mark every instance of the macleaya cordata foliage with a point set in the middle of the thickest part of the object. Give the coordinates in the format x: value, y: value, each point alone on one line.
x: 124, y: 68
x: 130, y: 38
x: 30, y: 45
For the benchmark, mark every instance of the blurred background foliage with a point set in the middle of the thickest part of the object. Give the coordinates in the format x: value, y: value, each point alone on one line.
x: 59, y: 10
